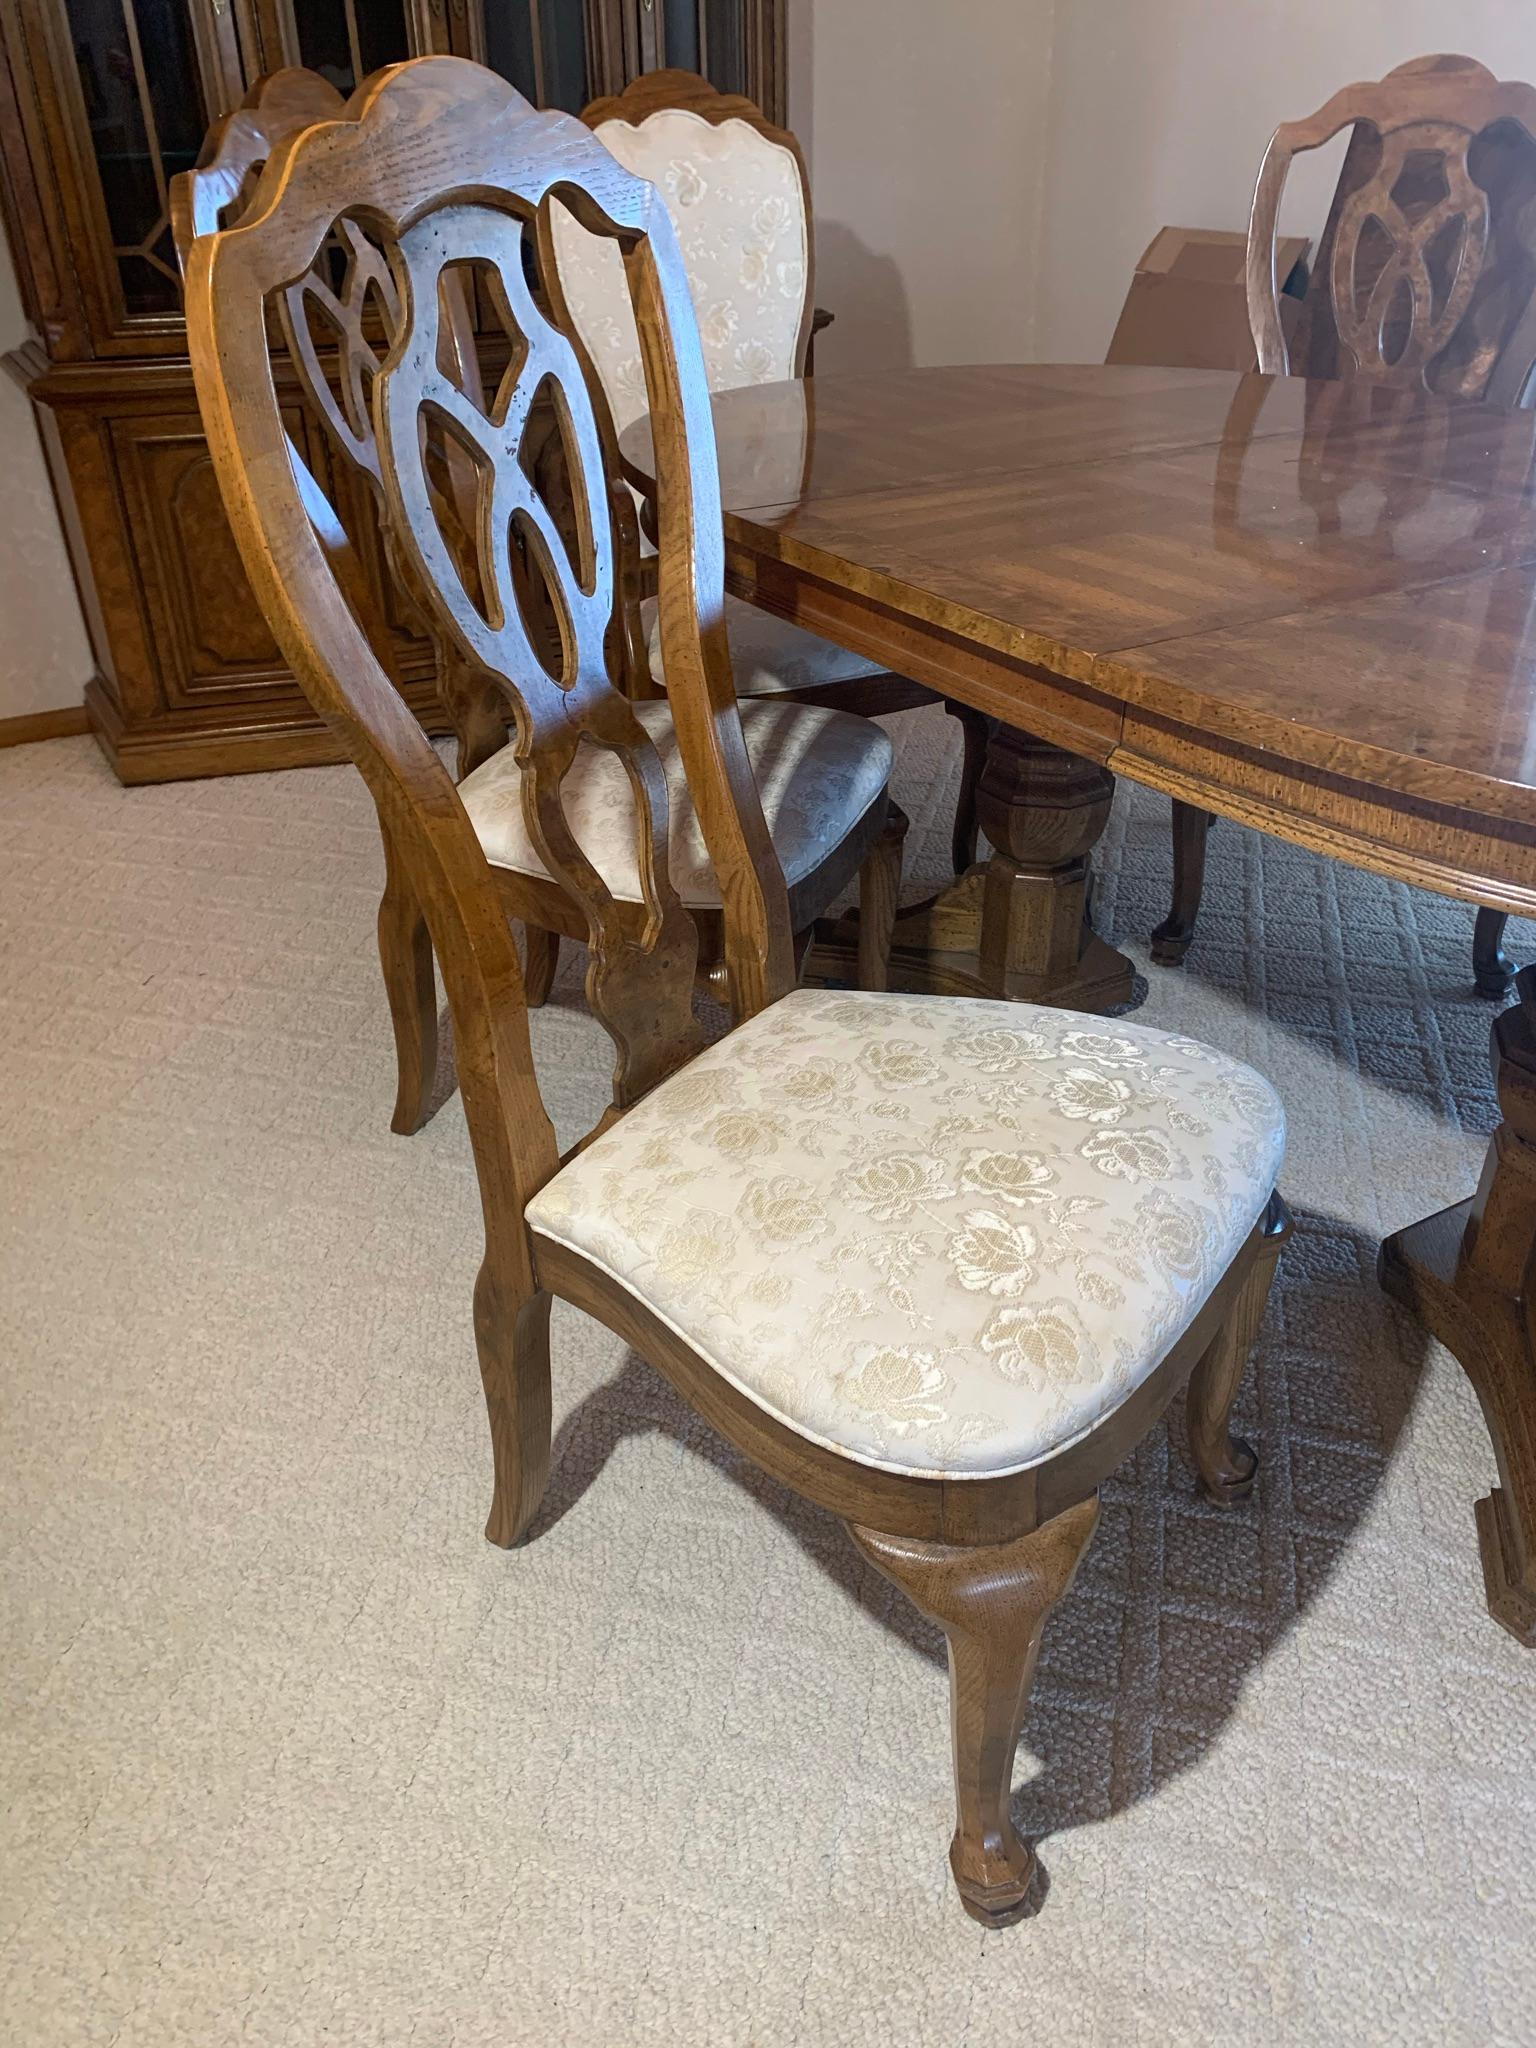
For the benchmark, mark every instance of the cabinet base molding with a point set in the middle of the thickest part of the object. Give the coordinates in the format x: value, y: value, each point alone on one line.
x: 187, y: 746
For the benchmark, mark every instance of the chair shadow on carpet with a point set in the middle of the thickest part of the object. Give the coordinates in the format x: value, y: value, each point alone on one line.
x: 1178, y: 1602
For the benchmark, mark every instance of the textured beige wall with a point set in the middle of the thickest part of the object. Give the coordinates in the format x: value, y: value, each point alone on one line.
x: 926, y: 132
x: 1160, y: 111
x: 45, y: 657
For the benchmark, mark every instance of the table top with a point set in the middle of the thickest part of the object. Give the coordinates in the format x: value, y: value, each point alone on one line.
x: 1338, y: 574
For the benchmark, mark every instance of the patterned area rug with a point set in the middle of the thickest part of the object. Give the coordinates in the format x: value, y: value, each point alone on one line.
x: 290, y: 1755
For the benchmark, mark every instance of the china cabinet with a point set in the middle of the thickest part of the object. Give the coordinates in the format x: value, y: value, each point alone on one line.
x: 102, y: 102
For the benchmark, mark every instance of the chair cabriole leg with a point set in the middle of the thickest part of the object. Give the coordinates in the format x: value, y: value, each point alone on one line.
x: 991, y: 1601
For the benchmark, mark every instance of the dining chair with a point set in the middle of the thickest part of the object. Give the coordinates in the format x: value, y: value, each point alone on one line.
x: 740, y: 199
x: 1425, y: 279
x: 824, y: 774
x: 934, y: 1264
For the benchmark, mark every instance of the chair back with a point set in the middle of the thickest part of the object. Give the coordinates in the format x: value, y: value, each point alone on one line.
x: 737, y: 191
x: 349, y: 291
x: 1426, y: 272
x: 438, y: 173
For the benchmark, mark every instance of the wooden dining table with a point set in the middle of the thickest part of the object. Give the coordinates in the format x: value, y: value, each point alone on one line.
x: 1309, y: 606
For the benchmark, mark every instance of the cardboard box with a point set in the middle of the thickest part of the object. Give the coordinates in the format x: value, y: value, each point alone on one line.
x: 1187, y: 307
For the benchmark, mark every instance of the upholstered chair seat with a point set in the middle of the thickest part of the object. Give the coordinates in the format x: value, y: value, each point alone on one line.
x: 770, y: 657
x: 818, y: 772
x: 938, y: 1236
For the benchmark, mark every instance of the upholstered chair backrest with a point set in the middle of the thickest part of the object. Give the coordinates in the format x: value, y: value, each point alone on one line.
x: 736, y: 189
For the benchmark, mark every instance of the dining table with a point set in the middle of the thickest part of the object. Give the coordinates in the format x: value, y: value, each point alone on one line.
x: 1306, y: 605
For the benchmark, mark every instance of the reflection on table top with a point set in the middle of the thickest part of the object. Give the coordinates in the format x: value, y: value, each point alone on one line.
x: 1339, y: 573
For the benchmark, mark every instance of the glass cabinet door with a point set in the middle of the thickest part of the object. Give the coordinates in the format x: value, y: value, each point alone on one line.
x: 145, y: 113
x: 541, y: 47
x: 562, y: 53
x: 346, y: 39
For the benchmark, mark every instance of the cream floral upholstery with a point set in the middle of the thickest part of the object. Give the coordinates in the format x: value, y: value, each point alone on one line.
x: 938, y: 1236
x: 769, y: 655
x: 817, y: 772
x: 738, y: 204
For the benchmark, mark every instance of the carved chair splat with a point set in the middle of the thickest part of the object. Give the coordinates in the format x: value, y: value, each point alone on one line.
x: 1426, y: 278
x: 972, y: 1484
x: 350, y: 295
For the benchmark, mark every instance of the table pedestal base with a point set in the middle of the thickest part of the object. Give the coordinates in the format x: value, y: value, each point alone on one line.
x: 938, y: 950
x: 1014, y: 926
x: 1469, y: 1275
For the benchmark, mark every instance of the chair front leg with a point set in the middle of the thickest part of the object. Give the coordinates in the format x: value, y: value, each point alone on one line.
x: 991, y: 1602
x: 1226, y: 1464
x: 879, y: 893
x: 405, y: 956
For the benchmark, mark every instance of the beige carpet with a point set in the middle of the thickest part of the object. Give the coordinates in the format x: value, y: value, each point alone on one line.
x: 290, y: 1756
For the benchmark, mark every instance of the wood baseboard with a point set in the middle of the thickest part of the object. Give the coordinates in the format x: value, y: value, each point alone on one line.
x: 66, y: 724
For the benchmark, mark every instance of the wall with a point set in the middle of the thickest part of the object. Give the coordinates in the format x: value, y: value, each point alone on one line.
x: 1160, y: 111
x: 926, y: 130
x: 45, y: 657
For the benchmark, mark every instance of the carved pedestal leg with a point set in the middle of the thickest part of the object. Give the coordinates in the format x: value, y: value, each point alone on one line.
x: 1043, y: 811
x: 879, y: 890
x: 405, y: 955
x: 1493, y: 971
x: 1015, y: 926
x: 1226, y: 1463
x: 1172, y: 938
x: 1469, y: 1275
x: 991, y: 1603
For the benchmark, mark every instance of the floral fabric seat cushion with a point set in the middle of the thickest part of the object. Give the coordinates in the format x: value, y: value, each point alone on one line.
x: 937, y: 1236
x: 769, y: 655
x: 817, y: 772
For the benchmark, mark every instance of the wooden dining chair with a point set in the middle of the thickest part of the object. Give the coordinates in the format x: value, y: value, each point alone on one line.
x: 740, y: 199
x: 1425, y: 279
x: 824, y: 775
x: 934, y: 1264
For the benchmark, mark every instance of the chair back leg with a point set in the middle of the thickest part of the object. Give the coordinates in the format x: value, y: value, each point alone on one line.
x: 1226, y: 1464
x: 1172, y: 939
